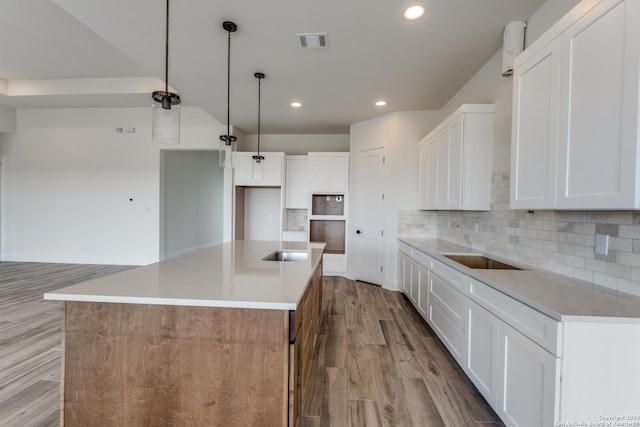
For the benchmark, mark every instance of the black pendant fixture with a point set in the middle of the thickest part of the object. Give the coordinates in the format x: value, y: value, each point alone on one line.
x: 166, y: 105
x: 226, y: 141
x: 258, y: 164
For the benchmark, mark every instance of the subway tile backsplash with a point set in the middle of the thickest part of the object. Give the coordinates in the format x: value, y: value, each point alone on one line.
x: 558, y: 241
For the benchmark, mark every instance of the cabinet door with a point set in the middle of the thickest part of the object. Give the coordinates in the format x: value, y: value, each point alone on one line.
x: 455, y: 141
x: 318, y: 174
x: 432, y: 173
x: 414, y: 292
x: 447, y: 316
x: 598, y: 111
x: 330, y: 173
x: 339, y: 174
x: 407, y: 277
x: 535, y: 130
x: 442, y: 170
x: 272, y: 175
x: 297, y: 188
x: 423, y: 294
x: 401, y: 260
x: 423, y: 179
x: 483, y: 350
x: 529, y: 378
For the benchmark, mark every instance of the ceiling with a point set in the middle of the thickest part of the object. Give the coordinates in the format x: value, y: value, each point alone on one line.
x: 92, y: 53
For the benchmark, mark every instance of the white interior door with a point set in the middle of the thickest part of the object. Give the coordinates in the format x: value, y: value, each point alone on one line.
x: 369, y: 215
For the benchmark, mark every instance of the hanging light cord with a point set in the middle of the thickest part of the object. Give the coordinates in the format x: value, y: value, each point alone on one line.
x: 230, y: 27
x: 166, y: 51
x: 259, y: 102
x: 228, y: 141
x: 259, y: 76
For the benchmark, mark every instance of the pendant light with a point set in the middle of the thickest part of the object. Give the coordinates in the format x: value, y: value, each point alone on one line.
x: 258, y: 165
x: 226, y: 141
x: 166, y: 106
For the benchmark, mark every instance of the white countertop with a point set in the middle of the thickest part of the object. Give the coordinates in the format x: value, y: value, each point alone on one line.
x: 557, y: 296
x: 228, y: 275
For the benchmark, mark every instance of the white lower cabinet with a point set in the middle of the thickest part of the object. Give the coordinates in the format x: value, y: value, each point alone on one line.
x: 500, y: 343
x: 483, y: 349
x: 414, y: 287
x: 451, y: 335
x: 529, y: 379
x: 533, y: 370
x: 447, y: 315
x: 423, y: 295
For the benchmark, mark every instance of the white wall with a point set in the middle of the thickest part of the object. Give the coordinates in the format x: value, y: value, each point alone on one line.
x: 192, y: 201
x: 262, y: 213
x: 67, y: 178
x: 295, y: 144
x: 7, y: 119
x: 400, y: 133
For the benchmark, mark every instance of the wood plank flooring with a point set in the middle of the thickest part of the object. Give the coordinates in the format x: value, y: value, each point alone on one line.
x: 377, y: 362
x: 30, y: 335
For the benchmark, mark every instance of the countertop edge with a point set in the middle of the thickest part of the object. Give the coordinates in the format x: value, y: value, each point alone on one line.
x: 316, y: 249
x: 187, y: 302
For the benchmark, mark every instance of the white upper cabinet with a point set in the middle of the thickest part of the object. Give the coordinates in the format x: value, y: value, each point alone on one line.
x: 297, y: 182
x: 535, y: 131
x: 455, y: 161
x: 575, y: 112
x: 329, y: 172
x: 273, y: 171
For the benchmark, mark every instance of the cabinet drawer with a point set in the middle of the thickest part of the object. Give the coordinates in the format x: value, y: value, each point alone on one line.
x: 450, y: 300
x: 541, y: 329
x: 450, y: 333
x: 452, y: 276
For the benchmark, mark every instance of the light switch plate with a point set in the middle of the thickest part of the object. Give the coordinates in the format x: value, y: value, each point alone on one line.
x: 602, y: 244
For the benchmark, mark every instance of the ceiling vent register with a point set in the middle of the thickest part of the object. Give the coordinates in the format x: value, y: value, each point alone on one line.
x: 312, y: 40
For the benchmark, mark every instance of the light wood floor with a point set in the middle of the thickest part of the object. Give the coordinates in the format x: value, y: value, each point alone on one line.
x: 377, y: 363
x: 30, y: 339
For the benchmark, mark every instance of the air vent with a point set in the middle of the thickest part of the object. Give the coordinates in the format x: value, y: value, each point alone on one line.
x: 312, y: 40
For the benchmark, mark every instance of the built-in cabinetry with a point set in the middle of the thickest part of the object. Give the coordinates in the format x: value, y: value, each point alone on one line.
x: 329, y: 172
x: 454, y: 166
x: 297, y: 182
x: 259, y: 203
x: 575, y: 112
x: 516, y: 355
x: 273, y: 170
x: 328, y: 204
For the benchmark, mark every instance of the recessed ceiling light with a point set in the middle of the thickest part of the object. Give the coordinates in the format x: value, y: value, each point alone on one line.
x: 296, y: 104
x: 413, y: 13
x: 381, y: 103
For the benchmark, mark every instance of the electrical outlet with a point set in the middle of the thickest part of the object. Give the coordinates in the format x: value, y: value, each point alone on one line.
x: 602, y: 244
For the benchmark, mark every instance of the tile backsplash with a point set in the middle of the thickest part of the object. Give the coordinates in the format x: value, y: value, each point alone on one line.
x: 558, y: 241
x: 296, y: 219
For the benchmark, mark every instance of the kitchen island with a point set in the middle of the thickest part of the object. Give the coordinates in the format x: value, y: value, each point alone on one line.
x: 217, y: 337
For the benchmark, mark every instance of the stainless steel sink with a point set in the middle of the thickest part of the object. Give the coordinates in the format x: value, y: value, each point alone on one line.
x: 288, y: 255
x: 481, y: 262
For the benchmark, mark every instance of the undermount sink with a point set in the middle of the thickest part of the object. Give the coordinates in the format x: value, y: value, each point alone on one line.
x: 287, y: 255
x: 481, y: 262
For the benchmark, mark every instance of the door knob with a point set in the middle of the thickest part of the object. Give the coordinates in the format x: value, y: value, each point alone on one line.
x: 358, y: 232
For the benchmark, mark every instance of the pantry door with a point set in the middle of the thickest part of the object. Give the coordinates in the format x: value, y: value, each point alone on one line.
x: 369, y: 215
